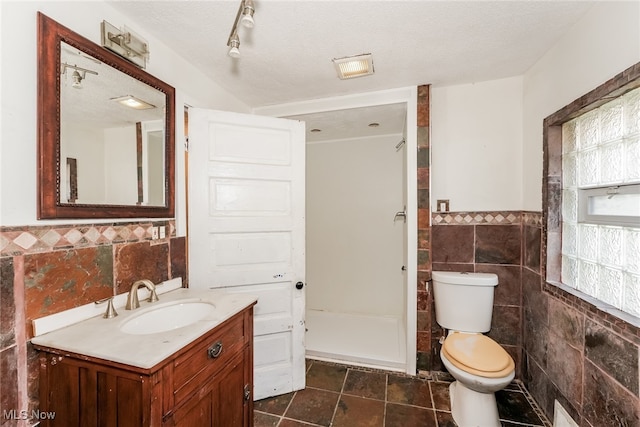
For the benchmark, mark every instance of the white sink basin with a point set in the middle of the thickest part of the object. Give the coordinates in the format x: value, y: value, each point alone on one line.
x: 166, y: 317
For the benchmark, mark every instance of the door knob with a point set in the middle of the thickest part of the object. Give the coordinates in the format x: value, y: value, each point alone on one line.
x: 299, y: 285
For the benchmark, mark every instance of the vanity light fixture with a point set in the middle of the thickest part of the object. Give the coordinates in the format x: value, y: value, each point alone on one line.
x: 244, y: 17
x: 125, y: 43
x: 133, y: 102
x: 78, y: 75
x: 350, y: 67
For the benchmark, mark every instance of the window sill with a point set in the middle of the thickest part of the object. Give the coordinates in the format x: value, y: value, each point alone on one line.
x: 599, y: 305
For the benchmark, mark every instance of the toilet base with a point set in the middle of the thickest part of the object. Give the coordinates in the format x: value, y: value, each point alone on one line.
x: 472, y: 409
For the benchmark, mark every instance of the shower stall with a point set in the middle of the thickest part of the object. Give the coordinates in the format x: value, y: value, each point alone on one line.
x: 355, y: 251
x: 361, y: 251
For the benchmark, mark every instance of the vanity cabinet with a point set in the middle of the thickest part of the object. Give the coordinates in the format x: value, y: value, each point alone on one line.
x: 209, y: 382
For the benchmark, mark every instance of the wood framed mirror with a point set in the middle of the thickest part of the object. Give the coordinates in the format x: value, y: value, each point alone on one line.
x: 98, y: 157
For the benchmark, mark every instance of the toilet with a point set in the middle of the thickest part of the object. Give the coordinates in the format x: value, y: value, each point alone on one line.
x: 480, y: 366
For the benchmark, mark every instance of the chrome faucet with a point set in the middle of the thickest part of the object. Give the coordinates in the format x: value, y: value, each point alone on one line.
x: 132, y: 298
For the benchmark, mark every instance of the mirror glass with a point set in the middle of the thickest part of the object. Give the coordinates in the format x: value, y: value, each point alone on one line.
x: 115, y: 144
x: 106, y: 132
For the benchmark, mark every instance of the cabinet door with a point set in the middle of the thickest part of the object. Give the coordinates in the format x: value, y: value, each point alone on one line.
x: 83, y: 394
x: 230, y: 399
x: 221, y: 402
x: 197, y: 411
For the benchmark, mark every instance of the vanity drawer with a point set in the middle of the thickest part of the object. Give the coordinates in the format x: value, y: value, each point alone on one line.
x: 207, y: 357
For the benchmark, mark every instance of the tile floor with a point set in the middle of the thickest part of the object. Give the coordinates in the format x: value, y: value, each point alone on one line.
x: 347, y: 396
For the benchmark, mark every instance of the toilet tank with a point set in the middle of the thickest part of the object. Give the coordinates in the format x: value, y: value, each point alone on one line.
x: 464, y: 301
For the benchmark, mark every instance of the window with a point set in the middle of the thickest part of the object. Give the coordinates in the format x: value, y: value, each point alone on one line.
x: 617, y: 205
x: 601, y: 203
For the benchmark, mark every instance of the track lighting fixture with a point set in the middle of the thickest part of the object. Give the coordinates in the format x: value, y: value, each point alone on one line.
x: 245, y: 17
x: 78, y: 75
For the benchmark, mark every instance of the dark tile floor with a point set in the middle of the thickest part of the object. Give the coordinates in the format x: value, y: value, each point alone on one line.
x: 346, y: 396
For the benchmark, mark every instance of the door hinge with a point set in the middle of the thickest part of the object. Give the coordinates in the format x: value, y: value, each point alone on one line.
x: 247, y: 392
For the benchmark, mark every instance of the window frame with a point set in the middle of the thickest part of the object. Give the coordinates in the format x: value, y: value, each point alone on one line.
x: 610, y: 191
x: 552, y: 188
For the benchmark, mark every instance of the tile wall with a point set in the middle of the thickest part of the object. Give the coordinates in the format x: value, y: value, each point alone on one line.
x: 577, y: 354
x: 485, y: 242
x: 424, y: 232
x: 575, y: 351
x: 565, y: 348
x: 48, y: 269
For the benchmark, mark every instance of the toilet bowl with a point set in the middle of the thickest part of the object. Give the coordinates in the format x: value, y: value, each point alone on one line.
x: 480, y: 367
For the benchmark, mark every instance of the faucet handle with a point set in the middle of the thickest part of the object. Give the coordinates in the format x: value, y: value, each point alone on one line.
x: 153, y: 296
x: 111, y: 311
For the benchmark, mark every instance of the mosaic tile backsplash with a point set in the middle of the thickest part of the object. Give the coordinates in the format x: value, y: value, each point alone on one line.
x: 35, y: 239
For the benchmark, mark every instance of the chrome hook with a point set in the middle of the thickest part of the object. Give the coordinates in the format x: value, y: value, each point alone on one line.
x: 402, y: 213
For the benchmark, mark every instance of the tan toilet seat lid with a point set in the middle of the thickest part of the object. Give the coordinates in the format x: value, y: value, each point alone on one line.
x: 478, y: 355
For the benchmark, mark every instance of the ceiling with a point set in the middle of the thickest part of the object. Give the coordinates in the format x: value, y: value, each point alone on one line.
x: 287, y: 56
x: 92, y: 105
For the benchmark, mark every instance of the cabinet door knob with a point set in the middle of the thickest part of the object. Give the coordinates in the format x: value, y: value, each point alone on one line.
x: 215, y: 350
x: 299, y: 285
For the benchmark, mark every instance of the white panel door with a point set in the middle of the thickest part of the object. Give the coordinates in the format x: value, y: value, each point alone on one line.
x: 246, y: 230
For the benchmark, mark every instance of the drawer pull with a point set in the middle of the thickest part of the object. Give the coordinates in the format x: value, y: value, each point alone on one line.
x: 215, y: 350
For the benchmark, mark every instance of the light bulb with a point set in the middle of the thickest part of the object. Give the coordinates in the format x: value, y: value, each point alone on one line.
x: 234, y: 52
x: 247, y: 20
x: 234, y: 44
x: 77, y: 80
x: 247, y: 14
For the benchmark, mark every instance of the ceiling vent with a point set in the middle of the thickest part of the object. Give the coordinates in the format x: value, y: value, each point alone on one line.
x: 350, y: 67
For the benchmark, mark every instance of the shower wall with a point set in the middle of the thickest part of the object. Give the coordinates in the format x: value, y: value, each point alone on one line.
x: 354, y: 249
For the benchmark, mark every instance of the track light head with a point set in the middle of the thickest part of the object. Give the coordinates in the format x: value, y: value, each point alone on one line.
x: 247, y: 14
x: 77, y: 80
x: 234, y: 46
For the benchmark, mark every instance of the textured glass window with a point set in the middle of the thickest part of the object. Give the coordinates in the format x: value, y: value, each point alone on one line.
x: 601, y: 203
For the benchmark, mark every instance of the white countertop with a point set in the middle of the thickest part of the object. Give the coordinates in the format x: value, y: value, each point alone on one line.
x: 102, y: 338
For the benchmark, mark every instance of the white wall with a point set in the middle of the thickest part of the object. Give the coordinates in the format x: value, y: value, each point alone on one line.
x: 121, y: 166
x: 354, y: 248
x: 90, y: 162
x: 602, y: 44
x: 486, y: 138
x: 18, y: 88
x: 476, y: 145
